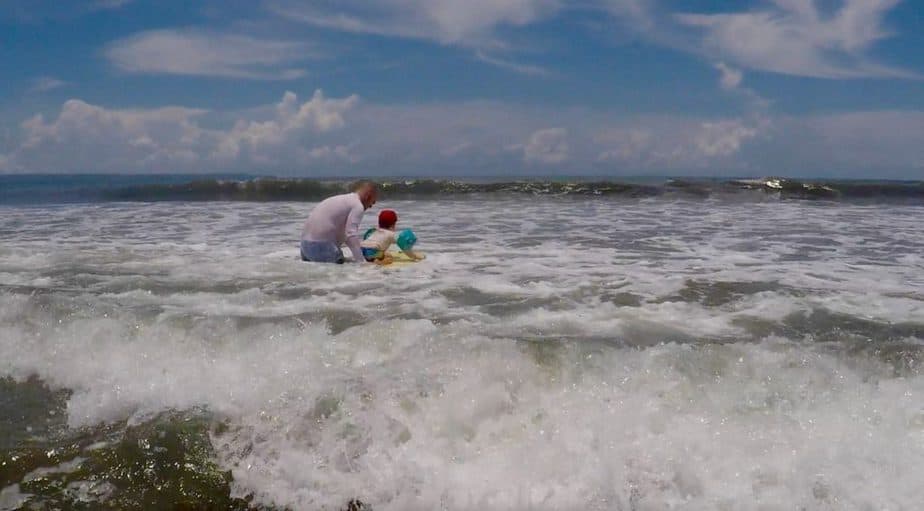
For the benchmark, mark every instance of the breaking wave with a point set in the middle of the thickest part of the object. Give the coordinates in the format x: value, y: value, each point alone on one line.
x: 156, y: 188
x: 298, y: 189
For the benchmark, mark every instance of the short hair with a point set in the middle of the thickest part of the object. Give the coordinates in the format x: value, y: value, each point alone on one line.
x: 359, y: 185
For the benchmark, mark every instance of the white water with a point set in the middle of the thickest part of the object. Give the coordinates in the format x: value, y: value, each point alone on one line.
x: 545, y: 356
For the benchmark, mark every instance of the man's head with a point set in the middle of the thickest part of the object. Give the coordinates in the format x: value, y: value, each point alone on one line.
x: 368, y: 193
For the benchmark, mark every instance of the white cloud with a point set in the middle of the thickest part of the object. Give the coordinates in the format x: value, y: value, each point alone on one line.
x: 723, y: 138
x: 886, y: 143
x: 86, y: 137
x: 468, y: 23
x: 794, y: 37
x: 625, y: 145
x: 208, y: 53
x: 456, y: 149
x: 329, y: 154
x: 469, y: 135
x: 267, y: 141
x: 111, y: 4
x: 46, y: 83
x: 730, y: 78
x: 37, y: 11
x: 547, y: 146
x: 524, y: 69
x: 662, y: 142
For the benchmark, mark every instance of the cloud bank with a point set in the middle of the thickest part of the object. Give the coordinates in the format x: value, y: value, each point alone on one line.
x: 322, y: 136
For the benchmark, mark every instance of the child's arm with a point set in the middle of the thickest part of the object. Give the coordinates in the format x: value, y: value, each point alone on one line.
x: 414, y: 255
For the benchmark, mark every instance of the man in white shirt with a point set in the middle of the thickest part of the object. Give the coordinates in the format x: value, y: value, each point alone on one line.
x: 335, y: 221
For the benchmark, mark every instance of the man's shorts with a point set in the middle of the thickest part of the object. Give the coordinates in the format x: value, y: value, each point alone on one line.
x: 321, y: 252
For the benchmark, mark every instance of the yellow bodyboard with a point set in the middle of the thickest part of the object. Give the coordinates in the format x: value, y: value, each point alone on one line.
x: 399, y: 259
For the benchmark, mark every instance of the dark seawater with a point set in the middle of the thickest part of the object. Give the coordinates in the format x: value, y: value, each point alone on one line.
x: 45, y: 189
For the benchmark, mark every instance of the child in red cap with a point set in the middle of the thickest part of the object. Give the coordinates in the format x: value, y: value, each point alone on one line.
x: 376, y: 243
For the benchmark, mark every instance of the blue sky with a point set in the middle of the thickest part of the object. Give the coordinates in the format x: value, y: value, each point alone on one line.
x: 474, y: 87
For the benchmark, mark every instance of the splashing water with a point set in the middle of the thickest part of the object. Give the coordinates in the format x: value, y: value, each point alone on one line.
x: 559, y: 353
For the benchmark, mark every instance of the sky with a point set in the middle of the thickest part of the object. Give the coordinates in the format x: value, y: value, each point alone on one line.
x: 802, y: 88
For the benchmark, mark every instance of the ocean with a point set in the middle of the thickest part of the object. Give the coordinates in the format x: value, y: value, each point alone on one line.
x: 567, y: 344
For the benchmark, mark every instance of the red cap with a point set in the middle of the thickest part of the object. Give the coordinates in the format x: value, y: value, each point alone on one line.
x: 387, y: 218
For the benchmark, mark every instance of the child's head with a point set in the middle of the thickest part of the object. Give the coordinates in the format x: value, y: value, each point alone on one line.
x: 388, y: 219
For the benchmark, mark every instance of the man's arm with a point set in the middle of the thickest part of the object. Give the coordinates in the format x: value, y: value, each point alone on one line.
x: 352, y: 232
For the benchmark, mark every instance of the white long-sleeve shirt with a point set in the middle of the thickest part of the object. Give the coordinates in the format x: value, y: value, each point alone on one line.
x: 336, y: 219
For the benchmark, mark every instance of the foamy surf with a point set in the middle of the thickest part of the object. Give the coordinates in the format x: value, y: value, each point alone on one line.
x: 556, y: 354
